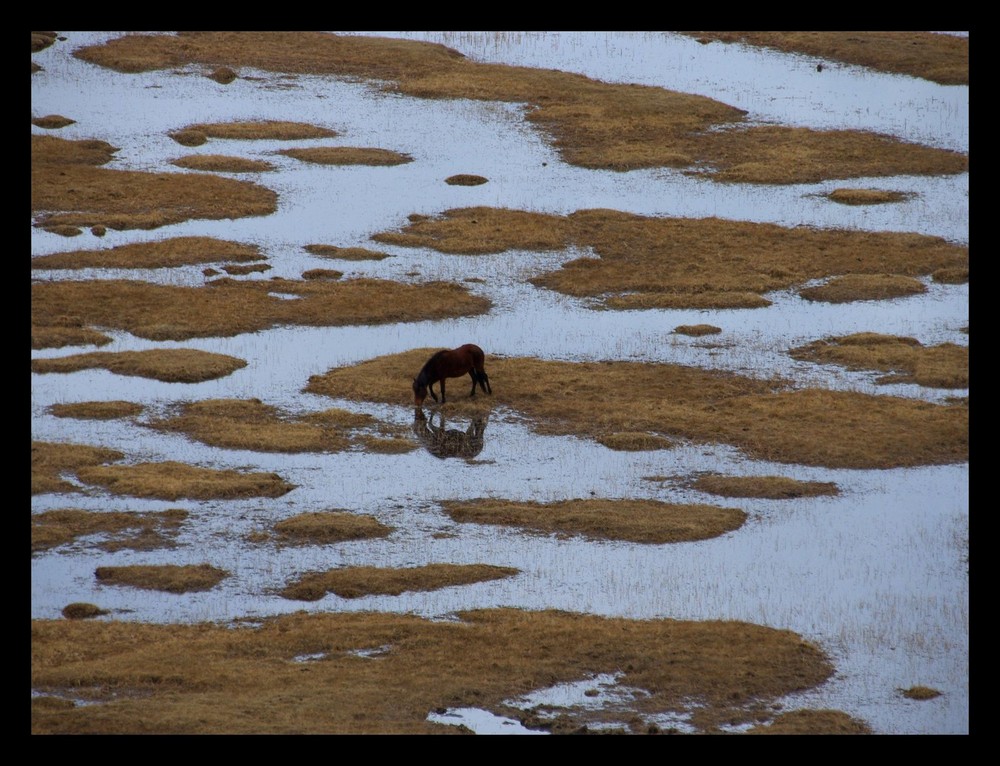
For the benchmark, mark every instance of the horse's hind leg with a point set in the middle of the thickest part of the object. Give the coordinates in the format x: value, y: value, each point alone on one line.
x: 472, y: 374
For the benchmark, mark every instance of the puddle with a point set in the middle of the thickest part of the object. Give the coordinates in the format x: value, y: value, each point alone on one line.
x: 877, y: 576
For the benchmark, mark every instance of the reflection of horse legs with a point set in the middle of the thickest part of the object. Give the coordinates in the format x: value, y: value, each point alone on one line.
x: 445, y: 442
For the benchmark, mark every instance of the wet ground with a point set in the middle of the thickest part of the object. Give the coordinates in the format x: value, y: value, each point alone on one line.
x: 878, y: 576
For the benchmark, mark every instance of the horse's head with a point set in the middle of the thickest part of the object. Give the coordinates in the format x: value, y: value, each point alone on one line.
x: 419, y: 392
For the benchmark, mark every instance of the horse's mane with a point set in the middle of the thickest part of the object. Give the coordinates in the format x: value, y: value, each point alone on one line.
x: 424, y: 373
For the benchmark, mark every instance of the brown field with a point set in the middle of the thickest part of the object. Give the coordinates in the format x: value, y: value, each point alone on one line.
x: 365, y: 673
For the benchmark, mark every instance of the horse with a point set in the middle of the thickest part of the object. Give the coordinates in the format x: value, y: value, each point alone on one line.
x: 443, y: 442
x: 451, y: 364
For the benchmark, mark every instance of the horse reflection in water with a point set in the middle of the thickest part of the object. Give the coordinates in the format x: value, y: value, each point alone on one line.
x: 445, y: 442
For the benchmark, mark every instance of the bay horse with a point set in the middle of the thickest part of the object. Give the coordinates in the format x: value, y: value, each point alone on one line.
x: 451, y: 364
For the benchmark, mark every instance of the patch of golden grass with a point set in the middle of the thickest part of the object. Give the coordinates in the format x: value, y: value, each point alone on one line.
x: 867, y: 196
x: 82, y: 611
x: 347, y: 155
x: 96, y: 410
x: 355, y: 582
x: 771, y: 487
x: 637, y: 521
x: 60, y: 335
x: 697, y: 329
x: 171, y: 365
x: 226, y: 307
x: 634, y: 441
x: 251, y: 268
x: 67, y: 188
x: 940, y: 58
x: 681, y: 262
x: 217, y: 679
x: 161, y: 254
x: 49, y: 460
x: 42, y: 40
x: 864, y: 287
x: 172, y: 578
x: 145, y: 530
x: 52, y: 121
x: 252, y: 425
x: 945, y: 365
x: 592, y: 124
x: 952, y: 276
x: 465, y: 179
x: 324, y: 527
x: 275, y: 130
x: 765, y: 419
x: 813, y: 722
x: 346, y: 253
x: 222, y: 75
x: 322, y: 274
x: 171, y: 480
x: 221, y: 163
x: 920, y: 693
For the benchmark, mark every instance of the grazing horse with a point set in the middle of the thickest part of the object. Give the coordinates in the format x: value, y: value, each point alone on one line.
x: 451, y: 364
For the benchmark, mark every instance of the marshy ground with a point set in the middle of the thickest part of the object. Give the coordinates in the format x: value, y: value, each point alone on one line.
x: 330, y: 672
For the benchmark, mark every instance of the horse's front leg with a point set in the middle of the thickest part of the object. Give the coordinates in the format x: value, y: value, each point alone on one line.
x: 430, y: 390
x: 442, y: 390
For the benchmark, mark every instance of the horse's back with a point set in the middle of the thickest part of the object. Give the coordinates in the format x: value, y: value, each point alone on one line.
x: 473, y: 351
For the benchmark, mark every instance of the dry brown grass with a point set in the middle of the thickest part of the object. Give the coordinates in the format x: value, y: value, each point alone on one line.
x: 223, y: 75
x: 770, y: 487
x: 945, y: 365
x: 940, y: 58
x: 799, y: 722
x: 637, y: 521
x: 251, y: 130
x: 920, y: 693
x: 953, y: 276
x: 172, y: 578
x: 634, y: 441
x: 697, y: 329
x: 226, y: 307
x: 82, y: 611
x: 50, y: 460
x: 171, y: 480
x: 220, y: 679
x: 171, y: 365
x: 322, y: 274
x: 355, y: 582
x: 347, y: 155
x: 69, y: 189
x: 864, y: 287
x: 766, y: 419
x: 592, y: 124
x: 137, y: 531
x: 346, y: 253
x: 252, y: 425
x: 325, y: 527
x: 162, y: 254
x: 96, y: 410
x: 867, y: 196
x: 52, y: 121
x: 678, y: 262
x: 220, y: 163
x: 246, y: 269
x: 465, y: 179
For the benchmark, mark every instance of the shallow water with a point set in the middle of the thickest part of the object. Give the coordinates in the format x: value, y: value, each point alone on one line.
x: 877, y: 576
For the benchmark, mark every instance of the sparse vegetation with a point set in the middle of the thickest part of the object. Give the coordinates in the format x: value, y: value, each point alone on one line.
x: 169, y: 577
x: 945, y: 365
x: 96, y: 410
x: 171, y: 480
x: 220, y: 163
x: 346, y: 253
x: 325, y: 527
x: 164, y: 253
x: 137, y: 531
x: 228, y: 307
x: 592, y: 124
x: 867, y: 196
x: 638, y: 521
x: 768, y: 420
x: 354, y: 582
x: 182, y: 679
x: 465, y: 179
x: 346, y: 155
x: 772, y: 487
x: 864, y: 287
x: 171, y: 365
